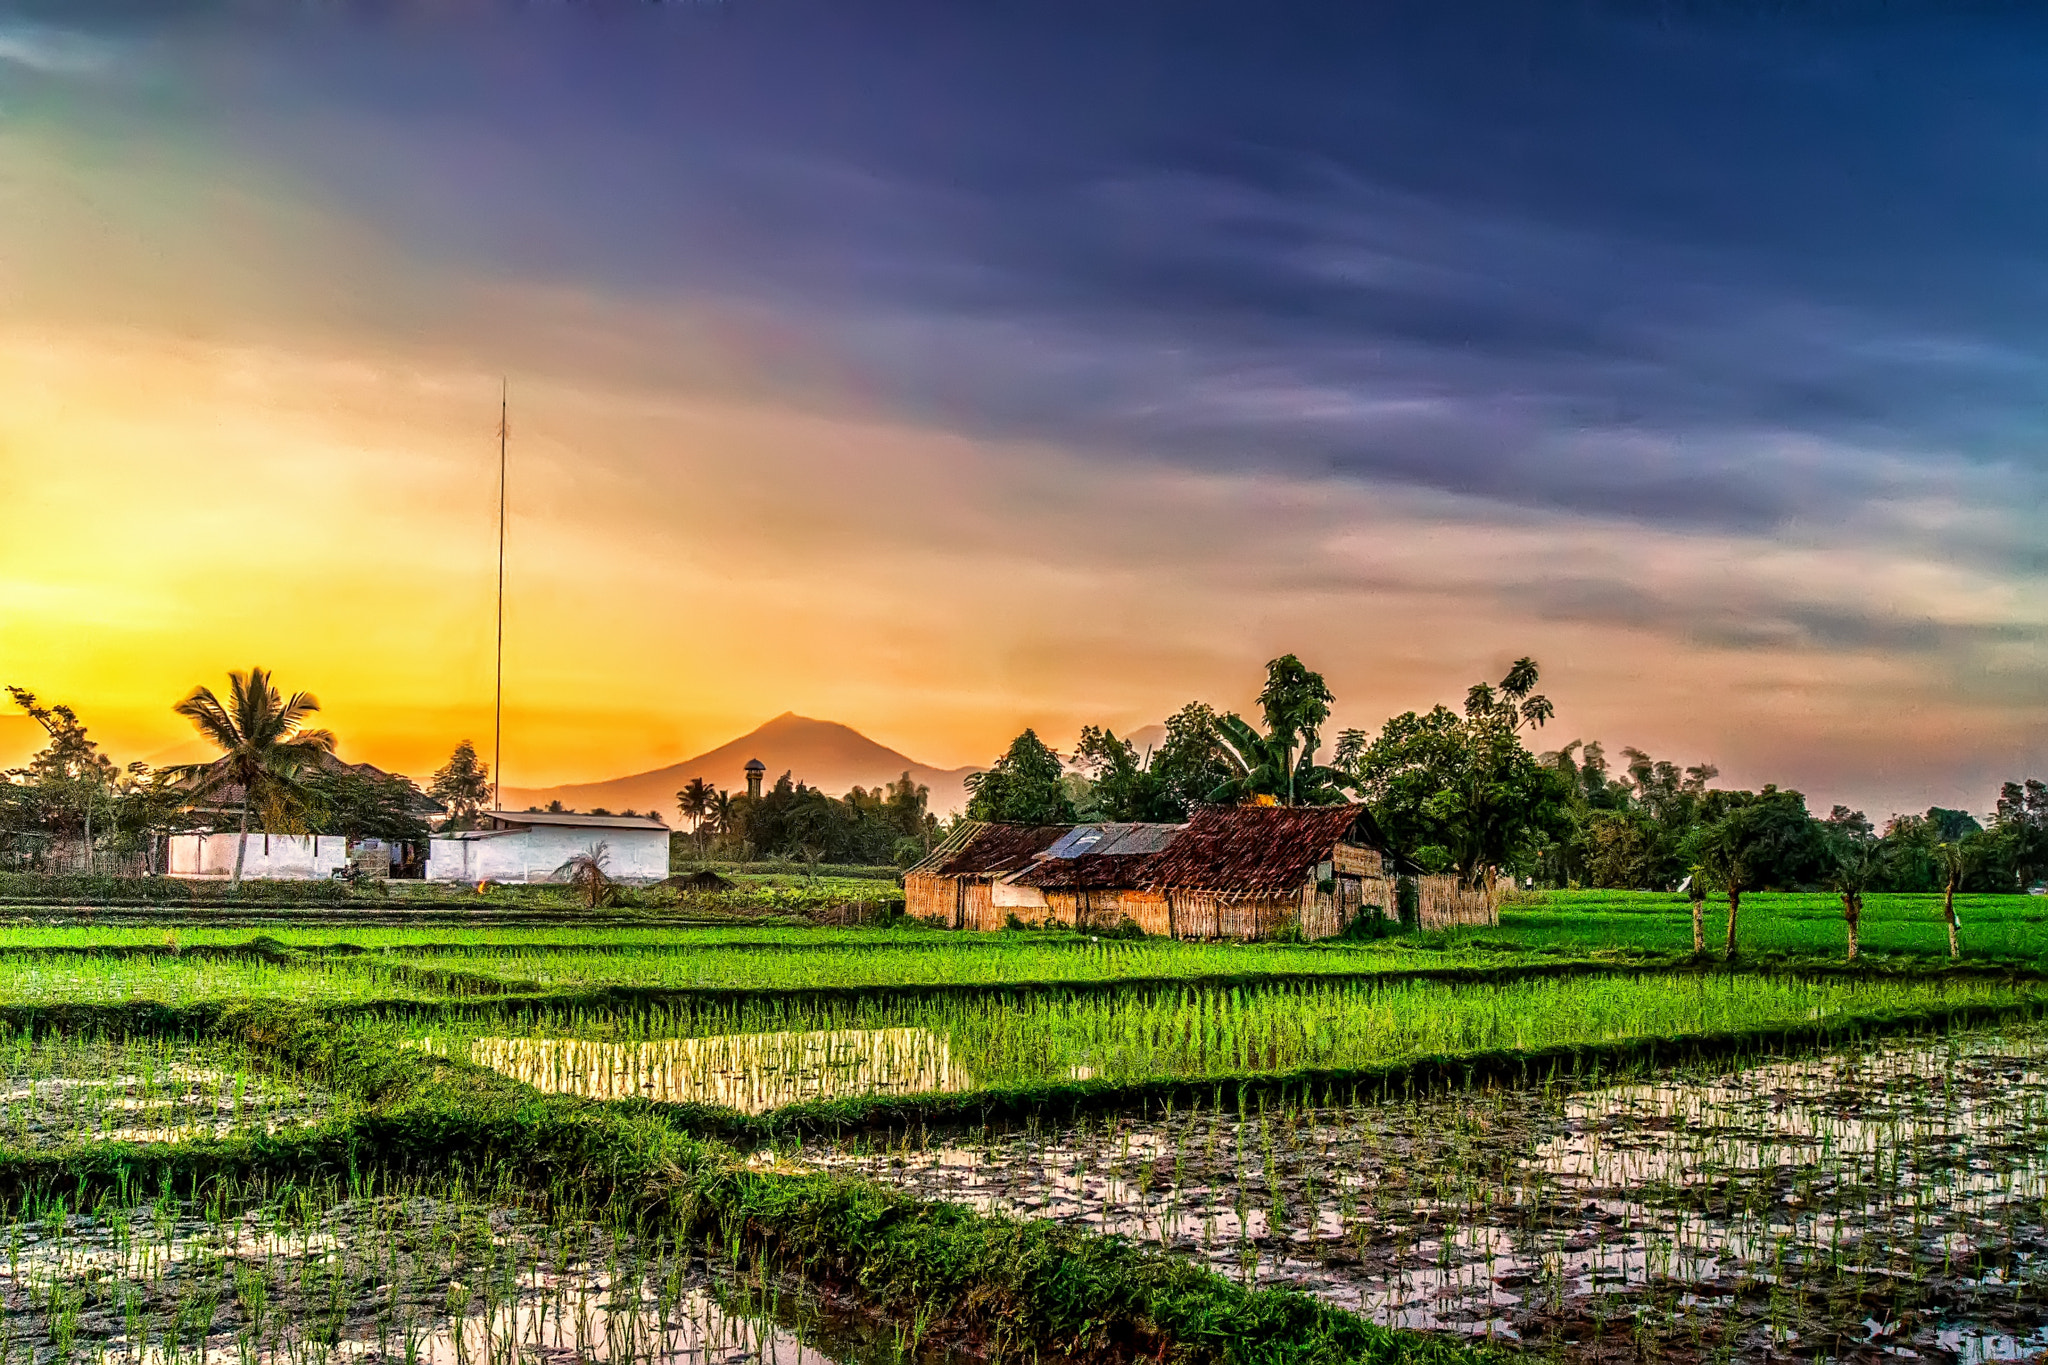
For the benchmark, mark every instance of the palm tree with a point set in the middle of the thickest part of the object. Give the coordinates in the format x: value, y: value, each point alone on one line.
x: 1855, y: 867
x: 1696, y: 892
x: 695, y: 801
x: 1955, y: 862
x: 586, y: 872
x: 265, y: 748
x: 1725, y: 858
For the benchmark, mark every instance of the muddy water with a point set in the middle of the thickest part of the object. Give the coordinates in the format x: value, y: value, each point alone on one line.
x: 750, y: 1072
x: 108, y: 1092
x: 409, y: 1281
x: 1880, y: 1202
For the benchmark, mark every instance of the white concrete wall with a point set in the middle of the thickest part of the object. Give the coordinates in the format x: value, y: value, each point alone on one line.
x: 532, y: 855
x: 1005, y: 895
x: 276, y: 857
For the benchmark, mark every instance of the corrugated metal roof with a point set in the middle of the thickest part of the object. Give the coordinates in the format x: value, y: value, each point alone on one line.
x: 981, y: 850
x: 1089, y: 872
x: 1099, y: 857
x: 1251, y: 848
x: 574, y: 821
x: 1113, y: 838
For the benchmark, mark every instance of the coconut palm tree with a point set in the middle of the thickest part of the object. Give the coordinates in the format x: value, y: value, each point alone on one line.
x: 1955, y: 865
x: 265, y: 747
x: 586, y: 872
x: 695, y: 802
x: 1855, y: 867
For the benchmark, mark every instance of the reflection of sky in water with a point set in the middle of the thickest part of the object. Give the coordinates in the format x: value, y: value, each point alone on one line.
x: 750, y: 1072
x: 557, y: 1304
x: 1889, y: 1164
x: 116, y: 1094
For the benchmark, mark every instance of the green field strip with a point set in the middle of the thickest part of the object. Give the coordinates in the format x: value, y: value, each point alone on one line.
x: 1580, y: 1063
x: 1022, y: 1286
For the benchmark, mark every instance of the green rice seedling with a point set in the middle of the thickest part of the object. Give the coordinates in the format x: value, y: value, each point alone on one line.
x: 1728, y: 1209
x: 61, y: 1090
x: 756, y: 1055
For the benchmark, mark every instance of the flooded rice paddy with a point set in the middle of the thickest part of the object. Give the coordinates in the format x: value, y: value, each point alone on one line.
x: 410, y: 1277
x: 752, y: 1054
x: 56, y: 1090
x: 1882, y: 1202
x: 750, y: 1072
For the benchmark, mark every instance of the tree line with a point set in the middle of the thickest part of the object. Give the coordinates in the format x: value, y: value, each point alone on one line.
x: 70, y: 808
x: 1462, y: 791
x: 875, y: 826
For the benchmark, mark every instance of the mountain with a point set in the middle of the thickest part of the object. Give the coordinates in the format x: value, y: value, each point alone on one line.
x: 823, y: 753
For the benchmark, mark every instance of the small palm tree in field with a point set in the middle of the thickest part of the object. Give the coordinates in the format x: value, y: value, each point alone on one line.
x: 1855, y: 867
x: 266, y: 749
x: 1696, y: 892
x: 1955, y: 865
x: 586, y: 872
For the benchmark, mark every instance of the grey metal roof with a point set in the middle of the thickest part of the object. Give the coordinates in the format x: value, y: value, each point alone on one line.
x: 1113, y: 838
x: 574, y: 821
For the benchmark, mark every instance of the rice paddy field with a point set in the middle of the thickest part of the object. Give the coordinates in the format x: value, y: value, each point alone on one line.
x: 497, y: 1140
x: 756, y: 1056
x: 2002, y: 928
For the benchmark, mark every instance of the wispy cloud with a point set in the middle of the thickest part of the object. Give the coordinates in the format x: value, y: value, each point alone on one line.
x: 53, y: 51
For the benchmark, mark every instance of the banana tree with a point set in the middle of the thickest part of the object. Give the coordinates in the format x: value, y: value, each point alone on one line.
x: 1268, y: 767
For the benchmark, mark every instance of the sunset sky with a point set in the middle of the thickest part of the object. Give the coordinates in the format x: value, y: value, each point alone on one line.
x: 943, y: 368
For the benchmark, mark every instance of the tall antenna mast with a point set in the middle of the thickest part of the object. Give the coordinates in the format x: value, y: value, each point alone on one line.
x: 498, y: 716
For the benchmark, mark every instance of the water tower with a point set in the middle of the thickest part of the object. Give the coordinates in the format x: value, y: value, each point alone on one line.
x: 756, y: 770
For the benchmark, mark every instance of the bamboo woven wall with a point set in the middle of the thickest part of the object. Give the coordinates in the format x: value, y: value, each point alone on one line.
x: 1207, y: 914
x: 926, y: 897
x: 1442, y: 904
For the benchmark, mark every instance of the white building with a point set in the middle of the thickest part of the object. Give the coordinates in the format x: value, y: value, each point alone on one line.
x: 529, y: 846
x: 280, y: 857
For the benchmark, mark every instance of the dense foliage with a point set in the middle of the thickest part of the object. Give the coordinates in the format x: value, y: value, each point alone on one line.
x: 1023, y: 787
x: 1653, y: 825
x: 872, y: 826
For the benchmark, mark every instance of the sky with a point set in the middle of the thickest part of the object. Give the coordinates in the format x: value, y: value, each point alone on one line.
x: 944, y: 369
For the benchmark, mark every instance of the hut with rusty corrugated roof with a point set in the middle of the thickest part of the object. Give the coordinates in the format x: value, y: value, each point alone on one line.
x: 1246, y: 871
x: 954, y: 885
x: 1093, y: 877
x: 1239, y: 872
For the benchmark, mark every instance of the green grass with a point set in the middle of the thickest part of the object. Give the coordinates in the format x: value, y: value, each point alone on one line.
x: 999, y: 1041
x: 1807, y: 924
x: 968, y: 960
x: 483, y: 935
x: 29, y: 979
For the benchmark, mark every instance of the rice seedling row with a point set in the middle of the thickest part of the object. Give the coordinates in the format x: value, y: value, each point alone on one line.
x: 392, y: 1272
x: 973, y: 964
x: 1880, y: 1201
x: 752, y: 1055
x: 61, y: 1091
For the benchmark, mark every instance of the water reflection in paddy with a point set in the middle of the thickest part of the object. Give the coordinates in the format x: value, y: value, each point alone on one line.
x: 1773, y: 1209
x: 404, y: 1280
x: 749, y: 1072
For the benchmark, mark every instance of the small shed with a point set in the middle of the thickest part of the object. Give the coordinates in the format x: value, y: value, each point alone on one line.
x: 528, y: 846
x: 1245, y: 871
x: 955, y: 883
x: 1096, y: 877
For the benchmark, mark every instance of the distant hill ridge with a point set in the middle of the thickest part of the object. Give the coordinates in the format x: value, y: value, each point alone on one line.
x: 822, y: 753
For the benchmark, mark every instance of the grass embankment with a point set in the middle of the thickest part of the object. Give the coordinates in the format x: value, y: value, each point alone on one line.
x: 1026, y: 1287
x: 1803, y: 924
